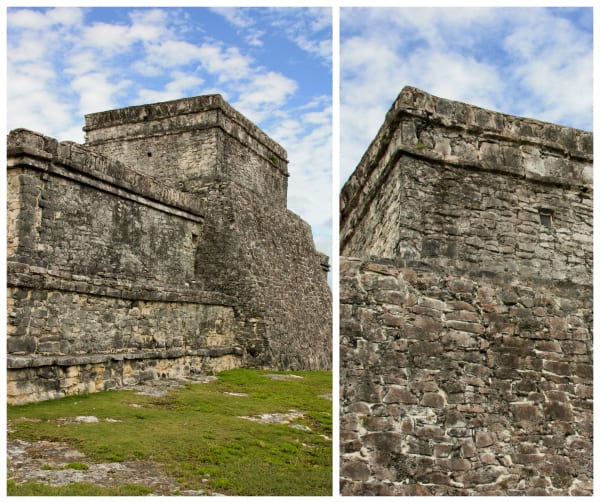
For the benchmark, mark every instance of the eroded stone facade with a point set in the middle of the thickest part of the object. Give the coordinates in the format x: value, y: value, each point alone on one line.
x: 466, y: 312
x: 161, y: 247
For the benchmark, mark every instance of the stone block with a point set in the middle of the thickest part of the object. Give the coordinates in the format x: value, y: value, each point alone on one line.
x: 526, y: 412
x: 435, y: 400
x: 558, y: 328
x: 557, y: 367
x: 393, y: 320
x: 355, y: 469
x: 454, y: 464
x: 399, y: 394
x: 388, y: 442
x: 584, y: 370
x: 484, y: 476
x: 467, y: 449
x: 430, y: 432
x: 455, y: 339
x: 558, y: 411
x: 20, y: 344
x: 462, y: 315
x: 465, y: 326
x: 425, y: 348
x: 432, y: 303
x: 419, y: 446
x: 484, y: 439
x: 443, y: 450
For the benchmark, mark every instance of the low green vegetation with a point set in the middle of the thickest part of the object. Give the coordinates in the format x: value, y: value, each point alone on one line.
x: 74, y: 489
x: 196, y: 434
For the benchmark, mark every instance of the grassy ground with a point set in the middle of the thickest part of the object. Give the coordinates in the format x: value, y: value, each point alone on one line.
x: 195, y: 432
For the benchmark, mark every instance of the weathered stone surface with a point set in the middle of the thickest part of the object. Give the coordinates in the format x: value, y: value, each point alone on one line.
x: 407, y: 200
x: 493, y: 393
x: 165, y: 236
x: 190, y: 143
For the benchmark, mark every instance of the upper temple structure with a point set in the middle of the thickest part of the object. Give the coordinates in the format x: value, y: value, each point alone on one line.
x: 161, y: 247
x: 466, y: 306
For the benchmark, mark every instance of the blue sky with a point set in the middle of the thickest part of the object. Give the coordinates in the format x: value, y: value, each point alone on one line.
x: 273, y: 65
x: 532, y: 62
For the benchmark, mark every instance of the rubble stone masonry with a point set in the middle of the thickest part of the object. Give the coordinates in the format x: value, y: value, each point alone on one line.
x: 466, y: 306
x: 125, y: 267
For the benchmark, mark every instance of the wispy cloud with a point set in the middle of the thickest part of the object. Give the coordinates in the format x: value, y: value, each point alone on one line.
x: 531, y: 62
x: 303, y: 27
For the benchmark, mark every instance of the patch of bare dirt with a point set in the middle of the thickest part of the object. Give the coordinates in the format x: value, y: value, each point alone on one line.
x: 275, y: 417
x: 46, y: 462
x: 282, y: 377
x: 164, y: 386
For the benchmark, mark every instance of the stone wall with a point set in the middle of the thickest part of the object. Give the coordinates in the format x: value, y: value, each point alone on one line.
x: 466, y: 318
x: 62, y: 342
x: 459, y: 385
x: 252, y: 246
x: 117, y: 274
x: 78, y: 228
x: 265, y: 256
x: 191, y: 142
x: 465, y: 186
x: 101, y: 268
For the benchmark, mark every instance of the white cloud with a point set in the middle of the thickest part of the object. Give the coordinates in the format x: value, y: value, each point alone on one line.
x: 173, y: 53
x: 150, y: 17
x: 96, y: 91
x: 456, y: 76
x: 308, y: 139
x: 107, y: 37
x: 180, y: 85
x: 237, y: 17
x: 80, y: 62
x: 65, y: 16
x: 263, y: 93
x: 29, y: 48
x: 305, y: 27
x: 35, y: 20
x: 31, y: 103
x: 553, y: 62
x: 246, y: 24
x: 228, y: 63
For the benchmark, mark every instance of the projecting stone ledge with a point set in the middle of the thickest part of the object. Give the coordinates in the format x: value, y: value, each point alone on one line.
x: 68, y: 159
x: 454, y: 133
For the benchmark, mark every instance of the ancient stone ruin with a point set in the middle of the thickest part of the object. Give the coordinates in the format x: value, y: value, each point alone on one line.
x: 161, y: 247
x: 466, y: 306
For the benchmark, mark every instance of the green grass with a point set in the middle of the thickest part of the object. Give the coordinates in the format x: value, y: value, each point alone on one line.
x: 196, y: 433
x: 74, y: 489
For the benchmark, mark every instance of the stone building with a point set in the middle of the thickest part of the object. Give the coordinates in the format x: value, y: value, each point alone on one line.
x: 466, y: 306
x: 161, y: 247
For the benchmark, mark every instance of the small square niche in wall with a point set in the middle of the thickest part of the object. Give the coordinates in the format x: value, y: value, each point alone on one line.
x: 546, y: 217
